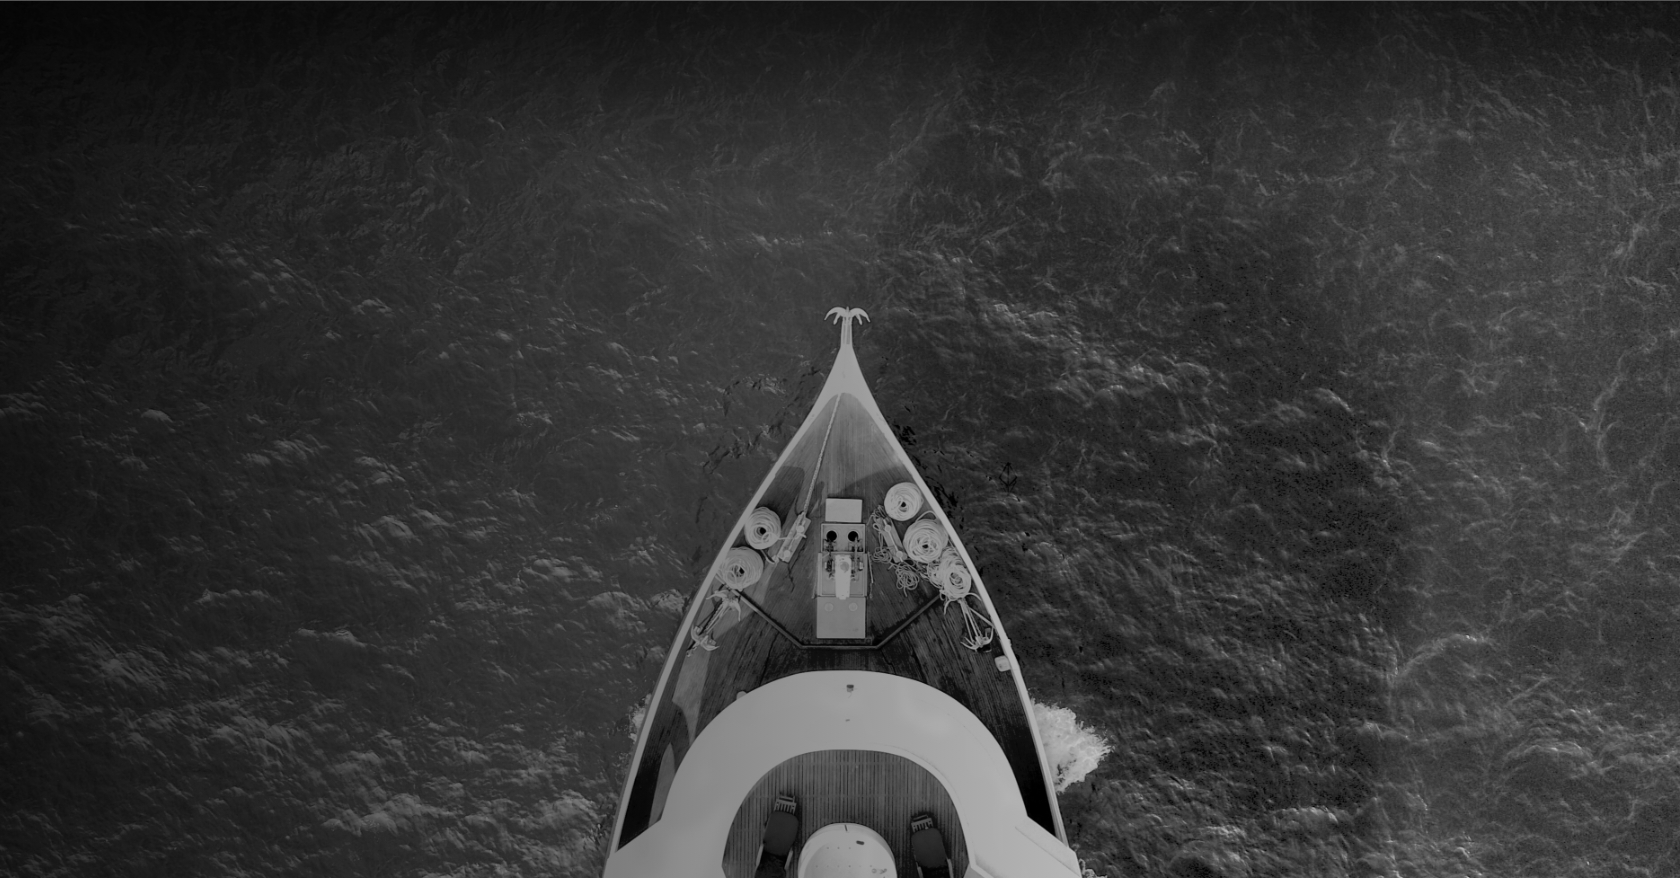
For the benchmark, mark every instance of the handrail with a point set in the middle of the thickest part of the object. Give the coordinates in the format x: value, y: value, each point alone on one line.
x: 885, y: 639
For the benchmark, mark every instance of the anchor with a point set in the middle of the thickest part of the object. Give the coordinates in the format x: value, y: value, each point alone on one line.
x: 845, y: 316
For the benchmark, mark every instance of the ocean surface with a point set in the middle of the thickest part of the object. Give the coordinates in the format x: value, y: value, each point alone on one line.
x: 376, y: 382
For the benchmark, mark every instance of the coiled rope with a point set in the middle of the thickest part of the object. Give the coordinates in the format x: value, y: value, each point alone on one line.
x: 741, y: 567
x: 956, y: 584
x: 764, y: 528
x: 952, y: 576
x: 926, y: 553
x: 925, y: 541
x: 904, y: 500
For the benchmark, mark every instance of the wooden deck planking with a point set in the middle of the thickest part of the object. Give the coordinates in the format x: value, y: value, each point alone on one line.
x: 788, y: 487
x: 858, y: 455
x: 878, y: 790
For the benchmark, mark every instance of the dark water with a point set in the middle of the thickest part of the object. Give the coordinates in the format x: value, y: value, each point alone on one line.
x: 375, y: 383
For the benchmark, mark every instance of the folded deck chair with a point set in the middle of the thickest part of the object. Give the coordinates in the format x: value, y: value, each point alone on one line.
x: 781, y: 830
x: 928, y: 847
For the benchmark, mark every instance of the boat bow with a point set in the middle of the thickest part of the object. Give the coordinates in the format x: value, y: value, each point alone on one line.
x: 812, y: 662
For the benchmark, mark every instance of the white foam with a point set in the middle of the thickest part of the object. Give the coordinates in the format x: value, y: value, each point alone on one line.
x: 638, y: 715
x: 1072, y: 748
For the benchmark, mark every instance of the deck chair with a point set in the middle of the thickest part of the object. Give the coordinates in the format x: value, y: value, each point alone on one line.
x: 928, y: 847
x: 781, y: 830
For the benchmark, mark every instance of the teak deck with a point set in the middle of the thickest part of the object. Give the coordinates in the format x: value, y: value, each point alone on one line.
x: 879, y: 790
x: 841, y: 452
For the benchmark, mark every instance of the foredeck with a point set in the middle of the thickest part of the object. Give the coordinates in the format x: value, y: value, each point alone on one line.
x: 752, y: 650
x: 879, y: 790
x: 843, y: 450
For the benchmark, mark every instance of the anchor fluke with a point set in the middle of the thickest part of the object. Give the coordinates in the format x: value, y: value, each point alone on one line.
x: 845, y: 316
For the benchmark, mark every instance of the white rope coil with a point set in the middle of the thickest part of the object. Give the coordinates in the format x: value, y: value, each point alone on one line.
x: 904, y: 500
x: 925, y: 541
x: 764, y: 528
x: 742, y: 567
x: 952, y: 576
x: 956, y: 584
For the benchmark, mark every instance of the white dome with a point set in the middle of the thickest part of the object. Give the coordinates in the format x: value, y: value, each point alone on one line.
x: 846, y: 850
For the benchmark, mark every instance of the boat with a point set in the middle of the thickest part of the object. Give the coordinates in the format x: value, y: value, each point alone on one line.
x: 841, y: 698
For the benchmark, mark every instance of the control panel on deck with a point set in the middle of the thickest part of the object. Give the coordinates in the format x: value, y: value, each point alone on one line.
x: 842, y: 584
